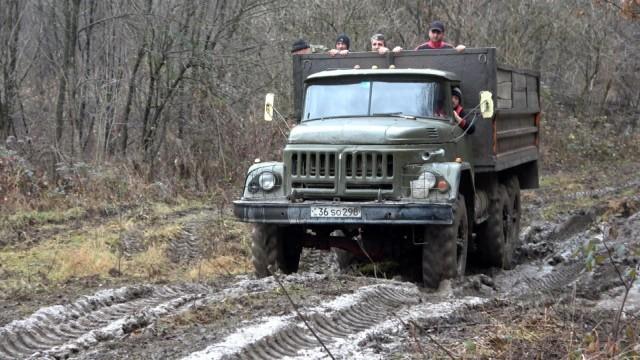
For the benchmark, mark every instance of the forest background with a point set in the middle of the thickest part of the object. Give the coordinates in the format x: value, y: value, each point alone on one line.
x: 119, y: 99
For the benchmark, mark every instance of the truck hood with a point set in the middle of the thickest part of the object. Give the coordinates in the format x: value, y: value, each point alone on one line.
x: 371, y: 130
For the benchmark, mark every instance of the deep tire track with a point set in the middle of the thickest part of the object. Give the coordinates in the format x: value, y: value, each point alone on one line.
x: 58, y: 325
x: 349, y: 314
x: 602, y: 191
x: 187, y: 247
x: 61, y: 331
x: 553, y: 281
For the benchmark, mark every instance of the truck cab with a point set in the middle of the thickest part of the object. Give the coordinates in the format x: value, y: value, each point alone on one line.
x: 377, y: 167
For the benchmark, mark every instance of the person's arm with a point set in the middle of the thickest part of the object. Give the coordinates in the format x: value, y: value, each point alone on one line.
x: 460, y: 120
x: 334, y: 52
x: 464, y: 123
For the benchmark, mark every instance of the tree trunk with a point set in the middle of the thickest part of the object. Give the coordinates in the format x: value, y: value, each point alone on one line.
x: 80, y: 123
x: 71, y: 10
x: 8, y: 108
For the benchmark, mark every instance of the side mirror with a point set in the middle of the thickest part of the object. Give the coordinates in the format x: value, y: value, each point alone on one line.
x: 486, y: 104
x: 268, y: 107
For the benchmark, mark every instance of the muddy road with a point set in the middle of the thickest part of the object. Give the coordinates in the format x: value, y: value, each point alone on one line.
x: 563, y: 298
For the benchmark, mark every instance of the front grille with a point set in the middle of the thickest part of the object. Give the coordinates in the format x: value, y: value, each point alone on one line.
x: 330, y: 174
x: 317, y: 164
x: 376, y: 187
x: 368, y: 164
x: 311, y: 185
x: 313, y: 171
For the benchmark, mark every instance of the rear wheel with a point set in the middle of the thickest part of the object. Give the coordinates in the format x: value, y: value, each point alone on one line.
x: 513, y: 190
x: 444, y: 252
x: 275, y: 246
x: 499, y: 236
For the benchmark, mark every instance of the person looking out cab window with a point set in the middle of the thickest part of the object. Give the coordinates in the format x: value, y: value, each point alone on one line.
x: 458, y: 111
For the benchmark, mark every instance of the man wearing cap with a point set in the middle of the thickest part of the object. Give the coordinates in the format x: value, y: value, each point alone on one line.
x: 342, y: 45
x: 300, y: 47
x: 436, y: 39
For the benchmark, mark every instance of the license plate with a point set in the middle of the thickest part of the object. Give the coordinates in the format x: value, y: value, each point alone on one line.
x: 336, y: 212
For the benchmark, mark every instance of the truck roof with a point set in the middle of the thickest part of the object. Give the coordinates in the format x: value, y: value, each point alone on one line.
x: 359, y: 72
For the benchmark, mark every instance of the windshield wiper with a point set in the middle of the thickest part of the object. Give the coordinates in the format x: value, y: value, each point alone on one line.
x: 335, y: 117
x: 395, y: 114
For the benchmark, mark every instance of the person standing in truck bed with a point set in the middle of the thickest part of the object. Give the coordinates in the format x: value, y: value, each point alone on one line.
x: 379, y: 45
x: 300, y: 47
x: 342, y: 45
x: 436, y: 39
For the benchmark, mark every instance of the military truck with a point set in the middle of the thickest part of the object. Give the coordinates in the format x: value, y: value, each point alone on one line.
x: 378, y: 168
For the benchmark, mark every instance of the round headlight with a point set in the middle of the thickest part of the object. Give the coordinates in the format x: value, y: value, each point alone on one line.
x: 267, y: 180
x: 427, y: 180
x: 420, y: 187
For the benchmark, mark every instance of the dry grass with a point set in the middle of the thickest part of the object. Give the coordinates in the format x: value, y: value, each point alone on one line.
x: 162, y: 233
x: 94, y: 248
x: 553, y: 331
x: 92, y: 257
x: 31, y: 218
x: 152, y: 264
x: 219, y: 265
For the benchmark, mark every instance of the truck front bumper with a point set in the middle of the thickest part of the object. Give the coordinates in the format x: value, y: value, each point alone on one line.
x: 371, y: 213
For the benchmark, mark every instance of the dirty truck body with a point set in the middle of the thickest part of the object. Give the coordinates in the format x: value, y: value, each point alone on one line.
x: 377, y: 167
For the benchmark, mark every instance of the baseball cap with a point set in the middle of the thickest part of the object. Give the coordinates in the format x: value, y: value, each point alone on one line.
x: 437, y: 25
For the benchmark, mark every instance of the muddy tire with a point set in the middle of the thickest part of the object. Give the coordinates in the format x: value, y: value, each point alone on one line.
x: 444, y: 252
x: 513, y: 190
x: 344, y: 258
x: 274, y: 246
x: 290, y: 250
x: 499, y: 235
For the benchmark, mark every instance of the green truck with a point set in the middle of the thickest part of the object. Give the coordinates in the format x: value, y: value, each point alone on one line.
x: 378, y: 168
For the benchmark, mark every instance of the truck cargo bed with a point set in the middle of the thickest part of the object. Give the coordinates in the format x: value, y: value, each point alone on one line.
x: 509, y: 139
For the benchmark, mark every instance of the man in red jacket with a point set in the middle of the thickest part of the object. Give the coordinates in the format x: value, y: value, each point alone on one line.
x: 436, y: 39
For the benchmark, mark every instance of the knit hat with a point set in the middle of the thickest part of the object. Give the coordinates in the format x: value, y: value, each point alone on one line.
x: 457, y: 92
x: 299, y: 45
x: 437, y: 25
x: 343, y: 38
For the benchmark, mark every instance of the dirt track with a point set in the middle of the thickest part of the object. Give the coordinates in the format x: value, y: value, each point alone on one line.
x: 356, y: 316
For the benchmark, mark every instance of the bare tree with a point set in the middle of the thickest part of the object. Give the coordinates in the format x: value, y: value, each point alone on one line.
x: 71, y: 10
x: 10, y: 27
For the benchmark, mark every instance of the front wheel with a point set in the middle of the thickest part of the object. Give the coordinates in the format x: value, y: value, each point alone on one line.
x: 444, y: 252
x: 275, y: 246
x: 344, y: 258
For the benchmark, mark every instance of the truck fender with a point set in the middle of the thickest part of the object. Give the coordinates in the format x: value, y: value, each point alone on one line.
x: 251, y: 180
x: 457, y: 175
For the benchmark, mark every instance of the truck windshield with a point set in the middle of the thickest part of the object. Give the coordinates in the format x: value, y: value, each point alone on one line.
x: 374, y: 98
